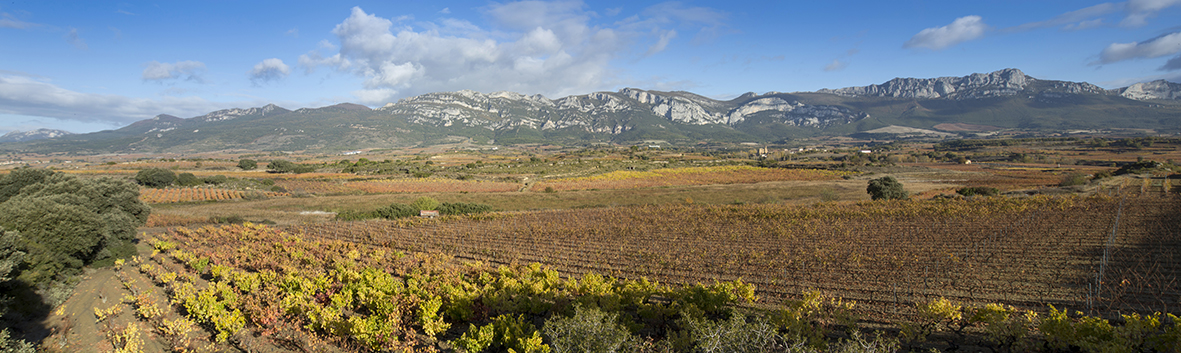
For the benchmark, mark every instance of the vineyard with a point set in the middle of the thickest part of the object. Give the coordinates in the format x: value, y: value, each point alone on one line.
x: 172, y: 195
x: 498, y: 281
x: 627, y: 179
x: 1066, y: 251
x: 382, y: 186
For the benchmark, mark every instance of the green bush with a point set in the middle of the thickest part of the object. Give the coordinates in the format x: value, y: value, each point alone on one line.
x: 396, y: 210
x: 155, y: 177
x: 247, y: 164
x: 886, y: 188
x: 215, y: 180
x: 68, y: 222
x: 188, y: 179
x: 282, y: 166
x: 425, y: 204
x: 590, y: 330
x: 460, y: 208
x: 355, y: 215
x: 1073, y: 179
x: 979, y: 191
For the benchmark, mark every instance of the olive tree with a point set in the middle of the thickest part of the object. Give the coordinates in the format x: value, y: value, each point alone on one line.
x: 66, y: 222
x: 886, y: 188
x: 247, y: 164
x: 155, y: 177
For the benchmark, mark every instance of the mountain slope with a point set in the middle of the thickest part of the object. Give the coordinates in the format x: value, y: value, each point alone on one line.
x: 38, y: 134
x: 1005, y: 99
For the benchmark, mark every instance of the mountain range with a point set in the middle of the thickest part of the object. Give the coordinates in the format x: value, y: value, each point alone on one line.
x: 38, y: 134
x: 1002, y: 100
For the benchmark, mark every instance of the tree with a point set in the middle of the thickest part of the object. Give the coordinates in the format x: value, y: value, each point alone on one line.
x: 188, y: 179
x: 247, y: 164
x: 155, y: 177
x: 66, y: 222
x: 282, y: 166
x: 886, y: 188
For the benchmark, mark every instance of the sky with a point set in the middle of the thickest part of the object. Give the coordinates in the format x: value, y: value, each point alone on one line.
x: 85, y: 66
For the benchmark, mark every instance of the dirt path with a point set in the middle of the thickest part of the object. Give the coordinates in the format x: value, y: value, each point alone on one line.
x: 75, y: 326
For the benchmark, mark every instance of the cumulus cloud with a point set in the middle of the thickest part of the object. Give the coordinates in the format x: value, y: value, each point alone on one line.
x: 961, y: 30
x: 533, y: 47
x: 835, y: 65
x: 1139, y: 11
x: 187, y: 70
x: 74, y: 39
x: 27, y: 95
x: 269, y: 70
x: 1163, y: 45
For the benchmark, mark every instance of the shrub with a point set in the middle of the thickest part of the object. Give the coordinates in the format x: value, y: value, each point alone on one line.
x: 215, y: 180
x: 1138, y: 167
x: 886, y: 188
x: 590, y: 330
x: 979, y: 191
x: 187, y: 179
x: 247, y: 164
x: 425, y: 204
x: 155, y: 177
x: 396, y: 210
x: 282, y: 166
x: 460, y: 208
x: 68, y: 222
x: 1073, y: 179
x: 735, y: 335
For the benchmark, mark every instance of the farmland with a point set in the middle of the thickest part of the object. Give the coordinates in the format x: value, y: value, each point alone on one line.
x: 669, y: 244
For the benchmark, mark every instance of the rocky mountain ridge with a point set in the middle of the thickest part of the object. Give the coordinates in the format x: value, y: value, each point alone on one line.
x: 1004, y: 99
x: 38, y: 134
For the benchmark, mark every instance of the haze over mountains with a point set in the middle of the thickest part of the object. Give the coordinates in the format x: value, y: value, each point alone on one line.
x: 1005, y: 99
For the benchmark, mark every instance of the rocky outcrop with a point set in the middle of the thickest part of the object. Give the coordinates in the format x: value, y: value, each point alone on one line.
x: 233, y: 113
x: 607, y: 112
x: 1159, y: 89
x: 1005, y: 82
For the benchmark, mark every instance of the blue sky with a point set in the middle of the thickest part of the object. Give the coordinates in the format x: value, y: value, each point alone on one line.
x: 85, y: 66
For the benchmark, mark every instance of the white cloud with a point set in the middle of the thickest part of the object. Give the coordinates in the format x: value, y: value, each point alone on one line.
x: 1163, y: 45
x: 1081, y: 25
x: 25, y: 95
x: 294, y: 32
x: 445, y: 10
x: 269, y: 70
x: 662, y: 42
x: 7, y: 21
x: 936, y: 38
x: 835, y: 65
x: 189, y: 70
x: 75, y: 40
x: 532, y: 47
x: 1084, y: 18
x: 1139, y: 11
